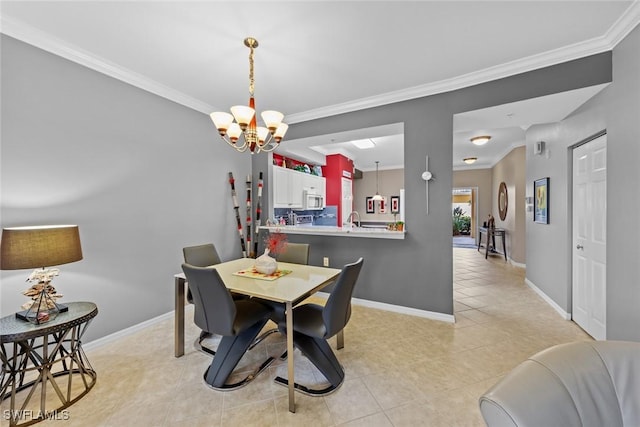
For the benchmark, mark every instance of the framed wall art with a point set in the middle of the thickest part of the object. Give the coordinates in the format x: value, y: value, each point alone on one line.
x: 541, y: 202
x: 382, y: 206
x: 395, y: 204
x: 371, y: 205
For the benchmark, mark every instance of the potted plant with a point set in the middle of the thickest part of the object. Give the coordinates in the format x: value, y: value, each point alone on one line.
x: 400, y: 225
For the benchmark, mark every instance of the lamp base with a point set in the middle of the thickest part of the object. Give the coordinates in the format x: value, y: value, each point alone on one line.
x: 30, y: 316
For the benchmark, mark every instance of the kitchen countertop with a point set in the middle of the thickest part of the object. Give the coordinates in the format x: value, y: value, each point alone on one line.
x: 320, y: 230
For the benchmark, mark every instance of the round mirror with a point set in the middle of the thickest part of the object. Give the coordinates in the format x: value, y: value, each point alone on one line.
x: 502, y: 200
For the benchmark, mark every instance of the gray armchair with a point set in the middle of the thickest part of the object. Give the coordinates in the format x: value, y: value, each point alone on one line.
x: 238, y: 321
x: 590, y: 383
x: 314, y: 324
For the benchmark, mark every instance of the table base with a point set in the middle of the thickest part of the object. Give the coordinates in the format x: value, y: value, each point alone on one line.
x: 42, y: 376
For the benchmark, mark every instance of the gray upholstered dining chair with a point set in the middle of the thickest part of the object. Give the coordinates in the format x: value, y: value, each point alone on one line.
x: 200, y: 256
x: 296, y: 253
x: 238, y: 321
x: 314, y: 324
x: 203, y: 256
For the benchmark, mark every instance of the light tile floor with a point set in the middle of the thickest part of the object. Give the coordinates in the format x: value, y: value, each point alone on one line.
x: 400, y: 370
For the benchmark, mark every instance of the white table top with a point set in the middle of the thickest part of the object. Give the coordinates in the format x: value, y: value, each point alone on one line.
x: 303, y: 280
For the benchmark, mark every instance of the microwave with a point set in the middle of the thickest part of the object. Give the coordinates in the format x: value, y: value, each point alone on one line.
x: 312, y: 201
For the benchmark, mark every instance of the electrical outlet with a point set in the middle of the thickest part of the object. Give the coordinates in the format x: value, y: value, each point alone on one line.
x: 325, y: 261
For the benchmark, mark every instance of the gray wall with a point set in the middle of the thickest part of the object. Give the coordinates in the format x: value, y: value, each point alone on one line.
x: 616, y: 109
x: 140, y: 175
x: 417, y: 272
x: 511, y: 170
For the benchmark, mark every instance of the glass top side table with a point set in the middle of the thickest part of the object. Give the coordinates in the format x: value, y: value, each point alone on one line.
x: 44, y: 368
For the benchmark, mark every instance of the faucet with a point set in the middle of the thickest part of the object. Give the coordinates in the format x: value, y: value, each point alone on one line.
x: 350, y: 218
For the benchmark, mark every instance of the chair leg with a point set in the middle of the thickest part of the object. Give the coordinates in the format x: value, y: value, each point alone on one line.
x: 229, y: 352
x: 319, y: 352
x: 198, y: 344
x: 262, y: 337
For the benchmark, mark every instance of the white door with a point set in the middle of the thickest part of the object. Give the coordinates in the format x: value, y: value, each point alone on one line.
x: 590, y: 237
x: 347, y: 200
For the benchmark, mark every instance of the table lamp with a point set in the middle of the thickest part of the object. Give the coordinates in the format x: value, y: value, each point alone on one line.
x: 40, y: 247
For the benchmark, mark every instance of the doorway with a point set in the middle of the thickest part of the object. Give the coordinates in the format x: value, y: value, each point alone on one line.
x: 464, y: 216
x: 589, y: 237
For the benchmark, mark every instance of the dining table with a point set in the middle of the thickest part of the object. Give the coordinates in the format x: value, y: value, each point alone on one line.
x: 298, y: 282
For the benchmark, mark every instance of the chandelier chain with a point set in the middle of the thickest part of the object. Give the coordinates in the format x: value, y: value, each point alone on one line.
x: 251, y: 80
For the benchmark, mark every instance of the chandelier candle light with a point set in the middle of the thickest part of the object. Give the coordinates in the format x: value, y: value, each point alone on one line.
x: 255, y: 138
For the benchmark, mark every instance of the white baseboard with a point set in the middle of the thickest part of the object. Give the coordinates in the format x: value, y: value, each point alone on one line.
x: 517, y: 264
x: 545, y: 297
x: 92, y: 345
x: 398, y: 309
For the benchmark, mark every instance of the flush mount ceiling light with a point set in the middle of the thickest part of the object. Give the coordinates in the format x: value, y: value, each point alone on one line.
x: 364, y: 143
x: 470, y: 160
x: 480, y: 140
x: 255, y: 138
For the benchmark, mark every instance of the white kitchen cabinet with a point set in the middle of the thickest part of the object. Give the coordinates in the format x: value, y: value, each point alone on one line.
x: 287, y: 188
x: 289, y: 185
x: 314, y: 184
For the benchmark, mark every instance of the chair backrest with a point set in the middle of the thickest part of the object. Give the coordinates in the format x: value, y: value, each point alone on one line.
x: 337, y: 310
x: 296, y: 253
x: 201, y: 255
x: 215, y: 311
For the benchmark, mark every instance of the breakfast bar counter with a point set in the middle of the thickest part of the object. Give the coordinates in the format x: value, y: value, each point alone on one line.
x: 319, y: 230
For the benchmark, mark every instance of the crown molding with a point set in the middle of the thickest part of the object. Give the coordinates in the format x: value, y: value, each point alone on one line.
x: 618, y: 31
x: 625, y: 24
x: 40, y: 39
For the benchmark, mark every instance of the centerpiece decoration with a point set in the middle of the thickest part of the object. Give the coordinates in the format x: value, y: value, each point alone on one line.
x: 274, y: 244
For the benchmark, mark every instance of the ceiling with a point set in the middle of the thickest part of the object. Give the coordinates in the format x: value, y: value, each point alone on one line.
x: 320, y: 58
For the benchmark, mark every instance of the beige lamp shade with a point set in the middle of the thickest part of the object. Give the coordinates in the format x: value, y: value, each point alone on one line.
x: 39, y: 246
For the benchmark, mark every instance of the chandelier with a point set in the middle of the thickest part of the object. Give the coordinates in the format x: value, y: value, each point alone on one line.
x: 254, y: 138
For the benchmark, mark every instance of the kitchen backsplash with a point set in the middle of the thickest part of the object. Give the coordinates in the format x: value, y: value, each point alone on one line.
x: 327, y: 217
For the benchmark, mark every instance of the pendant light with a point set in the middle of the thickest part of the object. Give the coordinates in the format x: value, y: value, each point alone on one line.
x: 377, y: 197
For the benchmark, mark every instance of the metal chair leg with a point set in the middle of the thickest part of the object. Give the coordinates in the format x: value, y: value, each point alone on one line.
x: 243, y: 382
x: 198, y: 343
x: 262, y: 337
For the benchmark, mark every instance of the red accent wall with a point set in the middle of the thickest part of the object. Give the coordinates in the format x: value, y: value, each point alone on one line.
x: 333, y: 172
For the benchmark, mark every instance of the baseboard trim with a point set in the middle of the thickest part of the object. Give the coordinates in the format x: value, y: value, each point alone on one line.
x: 449, y: 318
x: 95, y: 344
x: 517, y: 264
x: 545, y: 297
